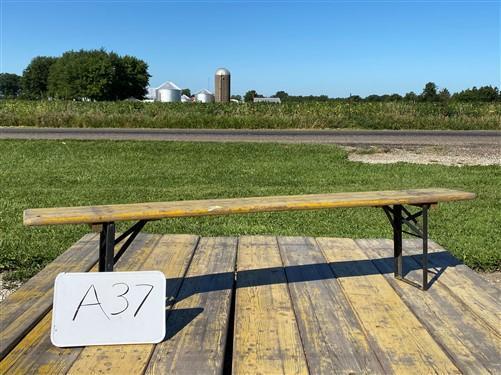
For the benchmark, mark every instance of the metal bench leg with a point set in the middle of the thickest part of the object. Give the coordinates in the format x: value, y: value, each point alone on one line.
x: 107, y: 242
x: 106, y: 247
x: 398, y: 216
x: 425, y: 247
x: 397, y: 241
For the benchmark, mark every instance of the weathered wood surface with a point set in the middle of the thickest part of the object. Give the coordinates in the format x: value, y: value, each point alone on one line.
x: 468, y: 287
x: 333, y: 339
x: 170, y: 254
x: 35, y: 352
x: 266, y: 337
x: 301, y: 305
x: 25, y: 308
x: 400, y: 341
x: 197, y: 326
x: 159, y: 210
x: 465, y: 338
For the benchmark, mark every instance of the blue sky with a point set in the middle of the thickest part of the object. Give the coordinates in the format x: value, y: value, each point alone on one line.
x: 302, y: 47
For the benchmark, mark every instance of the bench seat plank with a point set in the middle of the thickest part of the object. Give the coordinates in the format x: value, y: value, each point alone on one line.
x: 170, y: 254
x: 159, y: 210
x: 266, y: 336
x: 197, y: 326
x: 473, y: 346
x: 401, y: 342
x: 35, y: 352
x: 26, y: 307
x: 333, y: 339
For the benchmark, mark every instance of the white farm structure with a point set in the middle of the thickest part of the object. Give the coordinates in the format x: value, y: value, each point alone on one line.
x: 167, y: 92
x: 204, y: 96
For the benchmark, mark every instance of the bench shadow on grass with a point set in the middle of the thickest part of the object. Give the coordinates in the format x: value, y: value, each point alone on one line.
x: 177, y: 319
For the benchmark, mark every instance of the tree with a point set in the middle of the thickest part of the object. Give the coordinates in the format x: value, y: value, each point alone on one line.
x: 411, y: 97
x: 130, y: 77
x: 97, y: 75
x: 488, y: 94
x: 429, y: 93
x: 82, y: 75
x: 282, y: 95
x: 236, y: 97
x: 186, y: 92
x: 34, y: 83
x: 482, y: 94
x: 444, y: 95
x: 373, y: 98
x: 10, y: 85
x: 250, y: 95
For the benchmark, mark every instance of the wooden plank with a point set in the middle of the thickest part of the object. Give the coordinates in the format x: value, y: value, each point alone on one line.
x: 35, y: 352
x: 473, y: 346
x: 401, y: 342
x: 27, y: 306
x: 170, y: 255
x: 333, y: 339
x: 158, y: 210
x: 480, y: 296
x: 198, y: 324
x: 266, y: 336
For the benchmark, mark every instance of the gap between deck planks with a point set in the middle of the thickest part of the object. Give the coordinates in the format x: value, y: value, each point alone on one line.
x: 302, y: 305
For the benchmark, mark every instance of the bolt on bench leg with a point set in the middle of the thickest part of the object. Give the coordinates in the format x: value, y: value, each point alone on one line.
x: 106, y: 247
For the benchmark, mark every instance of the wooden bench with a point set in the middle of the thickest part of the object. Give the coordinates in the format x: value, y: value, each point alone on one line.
x: 392, y: 202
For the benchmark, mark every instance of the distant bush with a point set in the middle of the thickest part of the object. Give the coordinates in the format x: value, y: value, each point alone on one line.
x: 314, y: 115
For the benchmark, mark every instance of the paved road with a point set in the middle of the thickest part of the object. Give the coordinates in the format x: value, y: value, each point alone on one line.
x: 341, y: 137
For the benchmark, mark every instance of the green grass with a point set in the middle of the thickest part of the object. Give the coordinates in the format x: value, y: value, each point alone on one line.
x: 391, y: 115
x: 55, y: 173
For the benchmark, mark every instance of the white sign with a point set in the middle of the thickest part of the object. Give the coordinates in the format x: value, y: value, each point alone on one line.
x: 104, y: 308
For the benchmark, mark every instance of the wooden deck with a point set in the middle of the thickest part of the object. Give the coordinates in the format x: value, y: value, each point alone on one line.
x: 268, y: 305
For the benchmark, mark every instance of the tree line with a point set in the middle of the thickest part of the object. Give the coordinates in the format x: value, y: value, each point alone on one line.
x: 102, y: 75
x: 430, y: 93
x: 79, y: 75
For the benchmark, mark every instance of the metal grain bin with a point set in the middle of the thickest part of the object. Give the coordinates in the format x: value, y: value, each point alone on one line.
x: 168, y: 92
x: 222, y: 85
x: 186, y: 99
x: 204, y: 96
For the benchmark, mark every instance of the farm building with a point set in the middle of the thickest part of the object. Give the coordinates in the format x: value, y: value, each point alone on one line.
x: 204, y: 96
x: 267, y: 100
x: 151, y: 94
x: 167, y: 92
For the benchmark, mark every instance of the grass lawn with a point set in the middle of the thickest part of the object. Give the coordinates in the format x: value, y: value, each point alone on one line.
x: 55, y: 173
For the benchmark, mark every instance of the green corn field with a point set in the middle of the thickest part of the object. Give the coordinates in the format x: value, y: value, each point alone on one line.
x: 312, y: 115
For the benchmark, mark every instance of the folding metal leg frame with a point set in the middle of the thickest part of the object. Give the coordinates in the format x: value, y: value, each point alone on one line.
x: 107, y: 242
x: 399, y: 216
